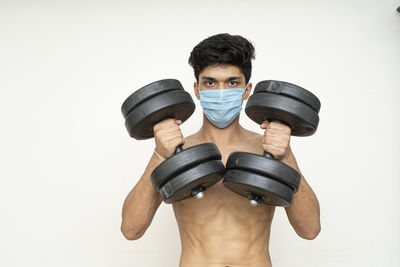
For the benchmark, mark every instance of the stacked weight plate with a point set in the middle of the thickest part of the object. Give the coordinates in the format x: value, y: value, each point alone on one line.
x: 260, y: 178
x: 153, y: 103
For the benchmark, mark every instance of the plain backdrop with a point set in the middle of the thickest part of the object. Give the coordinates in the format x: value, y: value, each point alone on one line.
x: 67, y: 162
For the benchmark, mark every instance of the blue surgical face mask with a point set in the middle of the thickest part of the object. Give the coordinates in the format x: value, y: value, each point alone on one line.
x: 221, y: 106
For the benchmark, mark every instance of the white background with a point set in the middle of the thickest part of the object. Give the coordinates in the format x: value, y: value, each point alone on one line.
x: 67, y: 162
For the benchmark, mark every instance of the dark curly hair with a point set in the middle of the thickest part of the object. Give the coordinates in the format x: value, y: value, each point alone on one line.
x: 223, y: 49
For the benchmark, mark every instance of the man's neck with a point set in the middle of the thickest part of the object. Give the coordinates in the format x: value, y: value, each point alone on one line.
x: 216, y: 135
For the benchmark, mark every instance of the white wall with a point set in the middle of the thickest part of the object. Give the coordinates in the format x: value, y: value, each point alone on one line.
x: 67, y: 162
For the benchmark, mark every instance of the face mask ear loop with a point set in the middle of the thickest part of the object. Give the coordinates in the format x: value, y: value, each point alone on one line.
x: 244, y: 90
x: 198, y: 90
x: 245, y: 87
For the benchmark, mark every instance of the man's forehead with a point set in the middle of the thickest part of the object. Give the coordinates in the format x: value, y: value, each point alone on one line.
x: 221, y: 72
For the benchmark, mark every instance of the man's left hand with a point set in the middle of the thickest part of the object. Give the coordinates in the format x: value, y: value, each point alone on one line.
x: 276, y: 139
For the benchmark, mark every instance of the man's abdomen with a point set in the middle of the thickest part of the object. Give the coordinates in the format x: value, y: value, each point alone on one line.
x: 223, y: 230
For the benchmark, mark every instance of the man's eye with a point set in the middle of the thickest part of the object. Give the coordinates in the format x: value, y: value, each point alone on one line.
x: 233, y: 83
x: 209, y: 83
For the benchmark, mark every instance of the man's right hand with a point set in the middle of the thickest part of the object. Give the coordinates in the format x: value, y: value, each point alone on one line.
x: 168, y: 137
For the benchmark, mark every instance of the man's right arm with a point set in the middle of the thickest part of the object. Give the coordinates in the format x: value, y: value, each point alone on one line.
x: 143, y: 201
x: 141, y: 204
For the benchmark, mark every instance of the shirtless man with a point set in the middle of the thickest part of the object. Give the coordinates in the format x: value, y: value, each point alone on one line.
x: 221, y: 229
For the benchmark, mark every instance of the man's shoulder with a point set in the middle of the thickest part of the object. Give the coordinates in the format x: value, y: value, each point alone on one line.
x: 252, y: 136
x: 191, y: 140
x: 251, y: 142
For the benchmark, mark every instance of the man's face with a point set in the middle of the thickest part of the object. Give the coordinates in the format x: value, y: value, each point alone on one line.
x: 221, y: 77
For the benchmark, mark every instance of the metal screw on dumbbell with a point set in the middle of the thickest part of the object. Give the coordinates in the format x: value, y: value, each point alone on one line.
x: 254, y: 200
x: 189, y: 172
x: 261, y: 178
x: 198, y: 193
x: 253, y: 203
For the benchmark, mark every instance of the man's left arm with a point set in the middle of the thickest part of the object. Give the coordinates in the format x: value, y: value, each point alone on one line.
x: 303, y: 212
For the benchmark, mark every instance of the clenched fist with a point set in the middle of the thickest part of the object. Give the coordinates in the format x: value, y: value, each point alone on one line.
x: 168, y: 136
x: 276, y: 139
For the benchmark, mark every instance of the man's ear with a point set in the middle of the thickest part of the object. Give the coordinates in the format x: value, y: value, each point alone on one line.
x: 196, y: 90
x: 247, y: 92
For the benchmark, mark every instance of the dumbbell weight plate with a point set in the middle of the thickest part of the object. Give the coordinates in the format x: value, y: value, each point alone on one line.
x: 177, y: 104
x: 267, y: 106
x: 269, y: 190
x: 182, y: 161
x: 266, y: 167
x: 289, y: 90
x: 147, y: 92
x: 203, y: 175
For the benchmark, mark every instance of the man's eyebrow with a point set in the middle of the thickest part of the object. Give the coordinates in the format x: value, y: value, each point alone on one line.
x: 208, y: 78
x: 228, y: 79
x: 234, y: 78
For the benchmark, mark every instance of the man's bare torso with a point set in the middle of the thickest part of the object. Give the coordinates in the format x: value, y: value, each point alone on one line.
x: 222, y: 229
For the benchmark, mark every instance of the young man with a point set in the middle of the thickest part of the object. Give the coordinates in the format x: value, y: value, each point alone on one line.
x: 221, y: 229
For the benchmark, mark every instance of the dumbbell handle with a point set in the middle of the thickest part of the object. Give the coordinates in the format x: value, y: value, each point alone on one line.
x: 178, y: 149
x: 267, y: 154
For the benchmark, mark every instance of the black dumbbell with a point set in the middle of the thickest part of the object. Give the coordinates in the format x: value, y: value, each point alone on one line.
x: 261, y: 178
x: 188, y: 172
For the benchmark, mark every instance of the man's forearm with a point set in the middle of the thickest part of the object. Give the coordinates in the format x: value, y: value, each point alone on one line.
x: 303, y: 213
x: 141, y: 204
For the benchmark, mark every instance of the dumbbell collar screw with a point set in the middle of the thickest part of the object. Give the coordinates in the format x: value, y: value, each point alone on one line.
x: 199, y: 195
x: 253, y: 203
